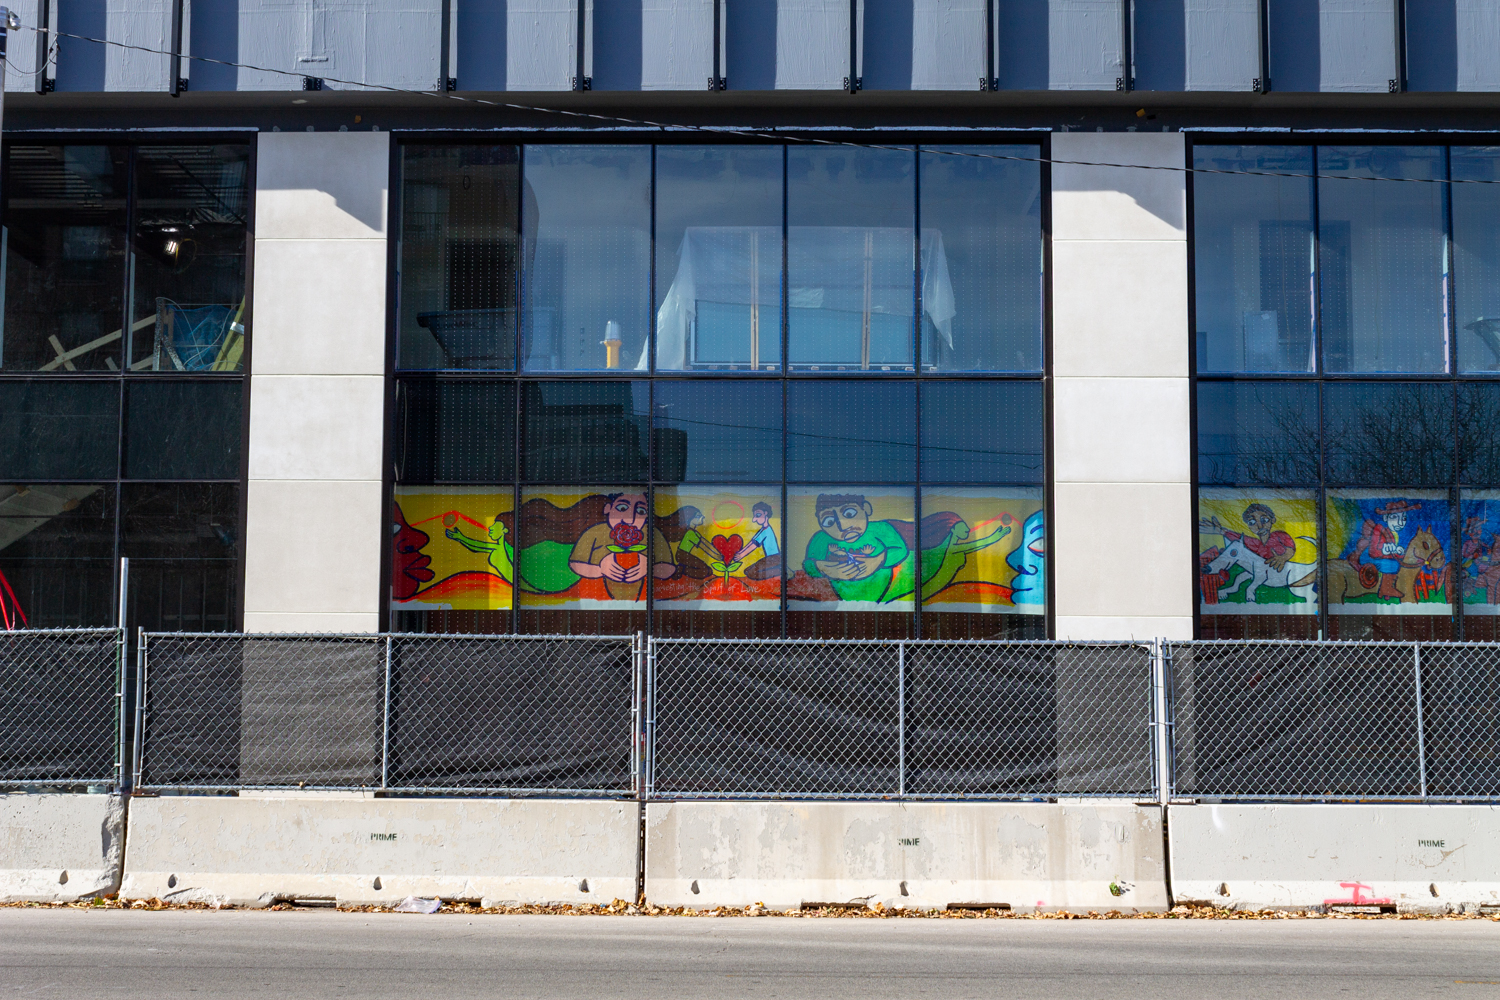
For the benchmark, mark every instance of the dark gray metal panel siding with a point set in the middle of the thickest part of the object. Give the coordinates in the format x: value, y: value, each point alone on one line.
x: 653, y: 44
x: 1159, y: 36
x: 1021, y: 47
x: 1085, y: 44
x: 81, y: 65
x: 214, y: 33
x: 1432, y: 44
x: 480, y: 44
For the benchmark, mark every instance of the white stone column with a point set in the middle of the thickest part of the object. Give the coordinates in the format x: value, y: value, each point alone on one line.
x: 1122, y: 528
x: 317, y: 383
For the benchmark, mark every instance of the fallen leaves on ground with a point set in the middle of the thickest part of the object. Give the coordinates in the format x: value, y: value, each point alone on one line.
x: 876, y: 911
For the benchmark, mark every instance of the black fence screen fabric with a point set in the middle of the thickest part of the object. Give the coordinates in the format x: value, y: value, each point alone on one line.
x: 59, y: 704
x: 229, y: 711
x: 773, y: 718
x: 888, y: 719
x: 1461, y: 719
x: 1295, y: 720
x: 515, y: 714
x: 996, y: 719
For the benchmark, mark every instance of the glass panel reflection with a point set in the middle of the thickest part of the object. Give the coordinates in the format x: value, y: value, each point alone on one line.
x: 982, y: 249
x: 582, y: 431
x: 59, y: 430
x: 1382, y: 260
x: 450, y: 431
x: 459, y: 256
x: 1253, y: 259
x: 718, y: 258
x: 182, y: 542
x: 57, y: 555
x: 188, y: 258
x: 1389, y: 433
x: 1478, y: 440
x: 851, y: 432
x: 1257, y: 432
x: 718, y: 431
x: 587, y: 244
x: 1476, y: 256
x: 982, y: 432
x: 183, y: 430
x: 851, y: 282
x: 64, y: 248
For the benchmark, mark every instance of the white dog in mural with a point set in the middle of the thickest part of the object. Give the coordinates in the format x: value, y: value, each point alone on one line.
x: 1301, y: 578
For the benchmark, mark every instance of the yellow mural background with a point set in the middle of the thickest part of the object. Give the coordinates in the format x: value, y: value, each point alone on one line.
x: 462, y: 580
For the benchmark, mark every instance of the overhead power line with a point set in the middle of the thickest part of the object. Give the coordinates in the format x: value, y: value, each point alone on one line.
x: 750, y: 133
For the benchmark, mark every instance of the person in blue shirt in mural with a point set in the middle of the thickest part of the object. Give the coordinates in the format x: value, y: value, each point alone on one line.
x: 766, y: 541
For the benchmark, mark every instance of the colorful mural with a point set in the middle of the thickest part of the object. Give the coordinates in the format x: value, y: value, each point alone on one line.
x: 588, y: 549
x: 1479, y: 552
x: 984, y: 551
x: 1257, y: 552
x: 1393, y: 552
x: 717, y: 548
x: 452, y: 548
x: 854, y: 551
x: 727, y: 547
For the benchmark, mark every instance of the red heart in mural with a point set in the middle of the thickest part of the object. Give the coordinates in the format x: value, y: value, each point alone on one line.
x: 729, y: 547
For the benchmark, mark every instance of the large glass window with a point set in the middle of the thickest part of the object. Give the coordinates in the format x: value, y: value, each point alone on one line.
x: 461, y: 211
x: 718, y: 258
x: 122, y: 347
x: 981, y: 258
x: 586, y: 227
x: 851, y: 286
x: 690, y: 443
x: 1345, y: 472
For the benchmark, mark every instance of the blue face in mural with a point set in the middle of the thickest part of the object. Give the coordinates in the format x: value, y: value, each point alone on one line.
x: 1029, y: 560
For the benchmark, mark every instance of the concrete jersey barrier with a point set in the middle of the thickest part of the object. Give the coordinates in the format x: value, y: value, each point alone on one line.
x: 1411, y: 858
x: 1084, y: 855
x: 253, y: 850
x: 59, y: 847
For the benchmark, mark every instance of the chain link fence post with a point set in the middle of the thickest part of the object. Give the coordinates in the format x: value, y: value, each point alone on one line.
x: 901, y: 720
x: 1161, y: 656
x: 649, y: 748
x: 121, y: 709
x: 385, y: 725
x: 1416, y: 653
x: 140, y: 703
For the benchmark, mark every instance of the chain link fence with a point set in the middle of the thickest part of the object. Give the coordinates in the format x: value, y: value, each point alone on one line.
x: 897, y: 719
x: 60, y: 703
x: 1335, y: 720
x: 505, y: 714
x: 617, y: 716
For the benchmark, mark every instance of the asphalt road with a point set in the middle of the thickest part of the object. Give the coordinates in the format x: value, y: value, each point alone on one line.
x: 158, y: 955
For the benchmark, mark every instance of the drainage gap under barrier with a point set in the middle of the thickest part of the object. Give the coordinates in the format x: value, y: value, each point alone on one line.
x: 979, y: 907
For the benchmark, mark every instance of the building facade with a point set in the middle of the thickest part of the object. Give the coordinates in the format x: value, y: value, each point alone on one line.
x: 754, y: 318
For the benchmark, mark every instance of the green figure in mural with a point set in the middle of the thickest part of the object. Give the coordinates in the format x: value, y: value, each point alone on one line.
x: 501, y: 555
x: 856, y: 555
